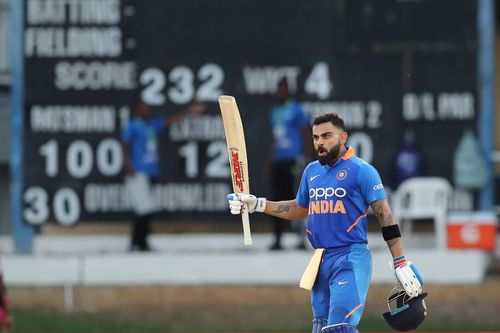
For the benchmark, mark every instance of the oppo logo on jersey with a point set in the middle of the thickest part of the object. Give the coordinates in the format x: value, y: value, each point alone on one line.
x: 326, y: 206
x: 325, y: 193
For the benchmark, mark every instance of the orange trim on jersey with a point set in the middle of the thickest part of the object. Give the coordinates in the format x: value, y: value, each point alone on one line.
x: 309, y: 231
x: 356, y: 222
x: 353, y: 310
x: 349, y: 153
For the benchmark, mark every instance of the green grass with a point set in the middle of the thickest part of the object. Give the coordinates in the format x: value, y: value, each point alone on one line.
x: 42, y: 321
x: 263, y: 318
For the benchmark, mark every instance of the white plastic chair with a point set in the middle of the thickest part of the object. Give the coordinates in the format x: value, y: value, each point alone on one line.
x: 420, y: 198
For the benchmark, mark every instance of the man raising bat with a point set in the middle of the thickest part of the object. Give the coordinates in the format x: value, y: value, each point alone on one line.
x: 335, y: 193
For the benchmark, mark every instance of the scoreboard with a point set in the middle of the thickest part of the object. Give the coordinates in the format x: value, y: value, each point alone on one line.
x: 384, y: 66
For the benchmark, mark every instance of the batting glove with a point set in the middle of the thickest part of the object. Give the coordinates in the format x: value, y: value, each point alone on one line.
x: 408, y: 276
x: 238, y: 202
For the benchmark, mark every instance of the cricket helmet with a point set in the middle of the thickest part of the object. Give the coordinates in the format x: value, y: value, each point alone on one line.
x: 405, y: 313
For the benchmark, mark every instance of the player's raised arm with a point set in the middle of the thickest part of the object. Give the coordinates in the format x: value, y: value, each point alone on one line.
x: 192, y: 110
x: 288, y: 210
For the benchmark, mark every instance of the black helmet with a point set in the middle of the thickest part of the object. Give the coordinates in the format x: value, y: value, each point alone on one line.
x: 405, y: 313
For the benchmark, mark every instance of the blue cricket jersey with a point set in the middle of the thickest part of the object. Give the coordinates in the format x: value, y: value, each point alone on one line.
x: 287, y: 122
x: 142, y: 137
x: 337, y: 198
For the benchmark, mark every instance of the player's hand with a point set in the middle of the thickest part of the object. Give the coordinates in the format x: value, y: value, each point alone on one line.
x: 239, y: 201
x: 408, y: 276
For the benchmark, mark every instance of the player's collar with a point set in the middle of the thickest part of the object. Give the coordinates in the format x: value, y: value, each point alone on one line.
x: 348, y: 154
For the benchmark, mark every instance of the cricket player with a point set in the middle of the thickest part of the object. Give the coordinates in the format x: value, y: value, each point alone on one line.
x: 335, y: 193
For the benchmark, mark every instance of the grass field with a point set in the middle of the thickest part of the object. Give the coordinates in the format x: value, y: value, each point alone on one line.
x: 261, y: 318
x: 203, y: 309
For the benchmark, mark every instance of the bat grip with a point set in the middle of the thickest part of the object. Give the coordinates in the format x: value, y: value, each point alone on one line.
x: 247, y: 235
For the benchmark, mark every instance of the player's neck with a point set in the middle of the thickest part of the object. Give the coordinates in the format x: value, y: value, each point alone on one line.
x: 339, y: 156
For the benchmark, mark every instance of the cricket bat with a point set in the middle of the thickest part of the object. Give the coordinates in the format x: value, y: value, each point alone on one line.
x: 237, y: 153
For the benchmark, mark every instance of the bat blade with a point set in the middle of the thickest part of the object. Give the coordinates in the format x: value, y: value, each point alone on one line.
x: 237, y: 153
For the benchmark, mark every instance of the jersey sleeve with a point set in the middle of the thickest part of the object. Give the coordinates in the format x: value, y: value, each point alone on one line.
x: 370, y: 183
x: 302, y: 197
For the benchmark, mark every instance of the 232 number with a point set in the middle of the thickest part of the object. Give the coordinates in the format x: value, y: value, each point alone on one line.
x: 183, y: 88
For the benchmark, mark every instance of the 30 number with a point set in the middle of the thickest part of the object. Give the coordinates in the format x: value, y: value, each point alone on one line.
x: 66, y: 206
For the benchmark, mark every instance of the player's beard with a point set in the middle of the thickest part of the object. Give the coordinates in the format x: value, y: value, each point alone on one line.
x: 331, y: 155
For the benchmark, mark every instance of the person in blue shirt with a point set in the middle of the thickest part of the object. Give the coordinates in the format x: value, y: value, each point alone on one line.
x: 291, y: 146
x: 335, y: 193
x: 408, y: 162
x: 140, y: 152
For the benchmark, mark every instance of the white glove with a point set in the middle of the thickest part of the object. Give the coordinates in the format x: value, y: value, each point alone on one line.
x: 406, y: 275
x: 238, y: 202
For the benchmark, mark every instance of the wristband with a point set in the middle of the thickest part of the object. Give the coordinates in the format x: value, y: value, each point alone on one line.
x: 261, y: 205
x: 399, y: 261
x: 391, y: 232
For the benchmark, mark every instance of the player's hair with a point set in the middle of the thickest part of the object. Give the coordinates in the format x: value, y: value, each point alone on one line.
x: 330, y: 117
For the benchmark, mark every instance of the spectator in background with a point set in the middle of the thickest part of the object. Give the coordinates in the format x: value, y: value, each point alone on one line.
x: 5, y: 318
x: 141, y: 162
x: 408, y: 162
x: 292, y: 150
x: 470, y: 167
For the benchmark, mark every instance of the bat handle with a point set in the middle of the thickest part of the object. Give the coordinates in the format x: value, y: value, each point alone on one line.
x: 247, y: 235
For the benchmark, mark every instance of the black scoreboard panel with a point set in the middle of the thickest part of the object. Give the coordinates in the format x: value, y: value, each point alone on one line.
x: 427, y: 21
x: 385, y: 66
